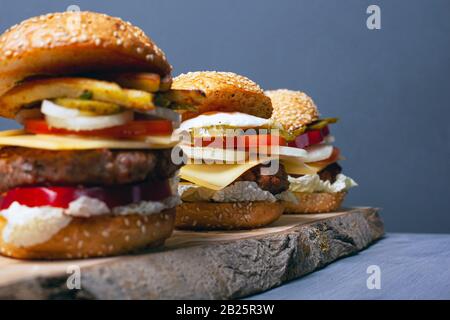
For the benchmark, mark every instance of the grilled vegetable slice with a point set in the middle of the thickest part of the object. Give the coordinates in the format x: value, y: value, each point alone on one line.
x: 92, y: 106
x: 180, y: 99
x: 149, y: 82
x: 38, y: 90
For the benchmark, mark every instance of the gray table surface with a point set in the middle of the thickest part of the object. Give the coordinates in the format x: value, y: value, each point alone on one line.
x: 412, y: 266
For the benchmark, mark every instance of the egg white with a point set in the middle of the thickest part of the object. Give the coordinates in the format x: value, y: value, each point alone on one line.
x: 231, y: 119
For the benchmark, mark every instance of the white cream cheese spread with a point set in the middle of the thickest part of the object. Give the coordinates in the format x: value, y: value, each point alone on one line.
x: 27, y: 226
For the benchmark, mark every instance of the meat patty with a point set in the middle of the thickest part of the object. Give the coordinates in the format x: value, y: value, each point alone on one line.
x: 273, y: 183
x: 330, y: 172
x: 24, y: 166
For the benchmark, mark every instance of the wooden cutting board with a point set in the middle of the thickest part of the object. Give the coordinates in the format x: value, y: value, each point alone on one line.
x: 201, y: 265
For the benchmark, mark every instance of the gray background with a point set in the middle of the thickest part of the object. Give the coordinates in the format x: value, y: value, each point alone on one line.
x: 389, y: 87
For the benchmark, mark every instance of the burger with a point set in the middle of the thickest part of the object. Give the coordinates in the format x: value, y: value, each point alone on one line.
x: 315, y: 179
x: 227, y: 182
x: 90, y: 172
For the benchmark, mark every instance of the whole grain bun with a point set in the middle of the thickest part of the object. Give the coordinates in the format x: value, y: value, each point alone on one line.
x: 99, y: 236
x: 318, y: 202
x: 292, y: 109
x: 76, y: 42
x: 225, y: 91
x: 226, y: 216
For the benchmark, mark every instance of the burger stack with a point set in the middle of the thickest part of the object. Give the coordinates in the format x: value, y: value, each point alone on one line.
x: 95, y: 168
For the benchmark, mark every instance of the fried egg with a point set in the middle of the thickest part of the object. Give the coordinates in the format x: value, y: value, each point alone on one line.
x: 227, y: 119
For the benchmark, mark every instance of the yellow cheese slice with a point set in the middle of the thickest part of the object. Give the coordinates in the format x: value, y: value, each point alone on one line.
x: 9, y: 133
x: 215, y: 176
x: 300, y: 168
x: 18, y: 138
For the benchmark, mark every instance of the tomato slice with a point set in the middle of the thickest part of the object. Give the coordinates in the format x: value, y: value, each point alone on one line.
x: 129, y: 130
x: 310, y: 138
x: 240, y: 142
x: 62, y: 196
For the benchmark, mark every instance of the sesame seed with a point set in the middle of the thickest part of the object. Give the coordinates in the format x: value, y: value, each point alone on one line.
x: 98, y: 42
x: 126, y: 221
x: 127, y: 238
x: 119, y: 42
x: 105, y: 233
x: 150, y: 57
x: 140, y: 50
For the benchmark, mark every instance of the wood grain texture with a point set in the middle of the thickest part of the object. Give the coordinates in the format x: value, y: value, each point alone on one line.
x: 204, y: 265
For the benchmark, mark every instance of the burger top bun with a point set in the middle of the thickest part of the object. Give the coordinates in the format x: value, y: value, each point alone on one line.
x: 225, y: 91
x: 76, y: 42
x: 292, y: 109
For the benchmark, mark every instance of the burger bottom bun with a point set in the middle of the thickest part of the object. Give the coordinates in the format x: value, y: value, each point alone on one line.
x: 319, y: 202
x: 98, y: 237
x: 227, y: 216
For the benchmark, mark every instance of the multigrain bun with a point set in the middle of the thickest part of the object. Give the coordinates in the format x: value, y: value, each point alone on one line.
x: 319, y: 202
x: 225, y: 91
x: 226, y: 216
x: 98, y: 237
x: 76, y: 42
x: 292, y: 109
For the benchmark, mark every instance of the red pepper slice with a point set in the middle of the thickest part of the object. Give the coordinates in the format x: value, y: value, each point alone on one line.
x: 310, y: 138
x: 62, y: 196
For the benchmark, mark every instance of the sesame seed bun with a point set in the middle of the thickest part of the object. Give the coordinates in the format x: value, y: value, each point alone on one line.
x: 226, y: 216
x: 319, y: 202
x: 292, y: 109
x: 98, y: 237
x: 225, y: 91
x: 76, y: 42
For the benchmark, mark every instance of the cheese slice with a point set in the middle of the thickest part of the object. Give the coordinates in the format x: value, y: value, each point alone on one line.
x: 215, y: 176
x: 215, y: 154
x: 9, y: 133
x: 301, y: 168
x: 18, y: 138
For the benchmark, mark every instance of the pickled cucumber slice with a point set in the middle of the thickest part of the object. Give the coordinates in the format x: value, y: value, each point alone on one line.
x: 321, y: 123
